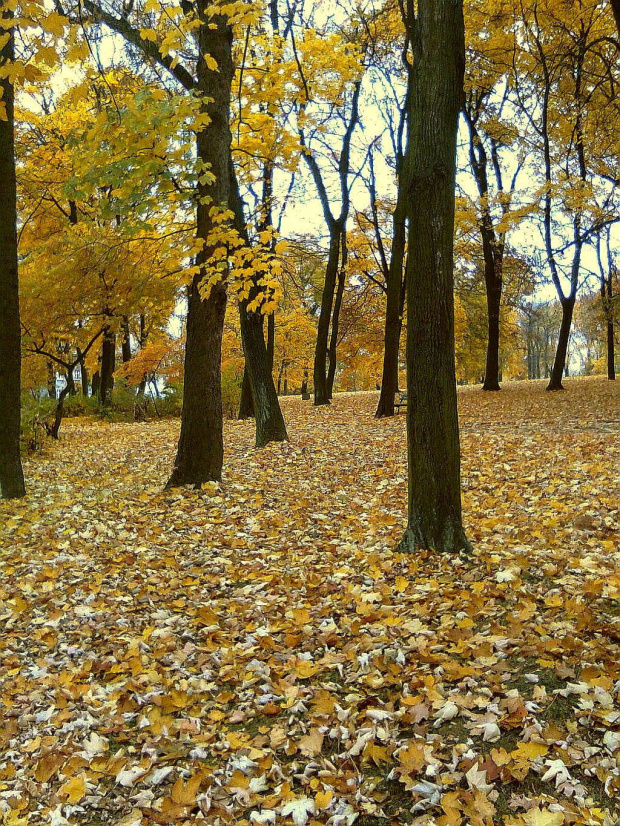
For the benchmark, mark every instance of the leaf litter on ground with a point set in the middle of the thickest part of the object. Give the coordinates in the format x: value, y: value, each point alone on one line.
x: 257, y: 652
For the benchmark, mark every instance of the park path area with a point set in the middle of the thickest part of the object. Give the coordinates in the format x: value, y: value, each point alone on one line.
x: 257, y: 652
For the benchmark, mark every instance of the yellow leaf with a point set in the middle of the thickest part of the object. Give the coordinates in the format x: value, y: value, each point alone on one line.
x: 74, y: 789
x: 305, y: 669
x: 541, y: 817
x: 323, y: 799
x: 529, y: 751
x: 184, y: 793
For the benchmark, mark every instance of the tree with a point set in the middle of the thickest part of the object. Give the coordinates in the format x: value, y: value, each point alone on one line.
x: 204, y: 33
x: 608, y: 275
x: 436, y: 97
x: 11, y: 473
x: 566, y: 83
x: 334, y: 105
x: 97, y: 249
x: 392, y: 263
x: 492, y: 230
x: 615, y: 5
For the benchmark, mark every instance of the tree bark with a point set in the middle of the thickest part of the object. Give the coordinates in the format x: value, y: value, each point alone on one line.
x: 200, y: 451
x: 434, y: 499
x: 333, y: 341
x: 321, y: 388
x: 615, y: 5
x: 246, y: 405
x: 393, y: 306
x: 493, y: 285
x: 559, y: 362
x: 11, y: 473
x: 51, y: 380
x: 95, y: 384
x: 108, y: 365
x: 271, y: 339
x: 83, y: 371
x: 126, y: 343
x: 611, y: 352
x: 607, y: 302
x: 60, y: 405
x: 142, y: 343
x: 270, y: 425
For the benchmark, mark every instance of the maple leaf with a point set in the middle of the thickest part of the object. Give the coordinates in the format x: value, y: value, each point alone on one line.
x: 299, y: 809
x: 477, y: 779
x: 543, y: 817
x: 73, y: 789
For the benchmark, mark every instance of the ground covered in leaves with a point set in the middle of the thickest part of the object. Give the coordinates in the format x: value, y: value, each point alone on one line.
x: 258, y: 652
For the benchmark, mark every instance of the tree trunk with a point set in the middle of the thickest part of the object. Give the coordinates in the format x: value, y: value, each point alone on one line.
x: 51, y: 380
x: 333, y: 341
x: 60, y: 405
x: 95, y: 385
x: 83, y: 371
x: 559, y: 363
x: 615, y: 4
x: 108, y: 365
x: 607, y: 300
x: 142, y: 343
x: 11, y: 473
x: 493, y: 284
x: 246, y: 405
x: 321, y: 389
x: 434, y: 517
x: 270, y: 425
x: 271, y: 339
x: 200, y: 451
x: 126, y: 344
x: 611, y: 354
x: 393, y: 306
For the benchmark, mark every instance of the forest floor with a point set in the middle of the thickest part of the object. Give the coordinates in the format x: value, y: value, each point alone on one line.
x: 259, y: 653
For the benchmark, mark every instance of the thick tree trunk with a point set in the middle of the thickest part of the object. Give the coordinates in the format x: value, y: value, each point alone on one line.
x: 270, y: 425
x: 559, y: 363
x: 271, y: 339
x: 51, y: 380
x: 615, y: 4
x: 108, y: 366
x: 607, y: 301
x: 434, y: 518
x: 95, y: 384
x: 11, y: 473
x: 611, y: 352
x: 200, y: 451
x: 60, y: 405
x: 246, y: 405
x: 83, y: 371
x: 321, y: 389
x: 333, y: 341
x: 126, y: 343
x: 142, y: 343
x: 493, y: 283
x: 393, y: 307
